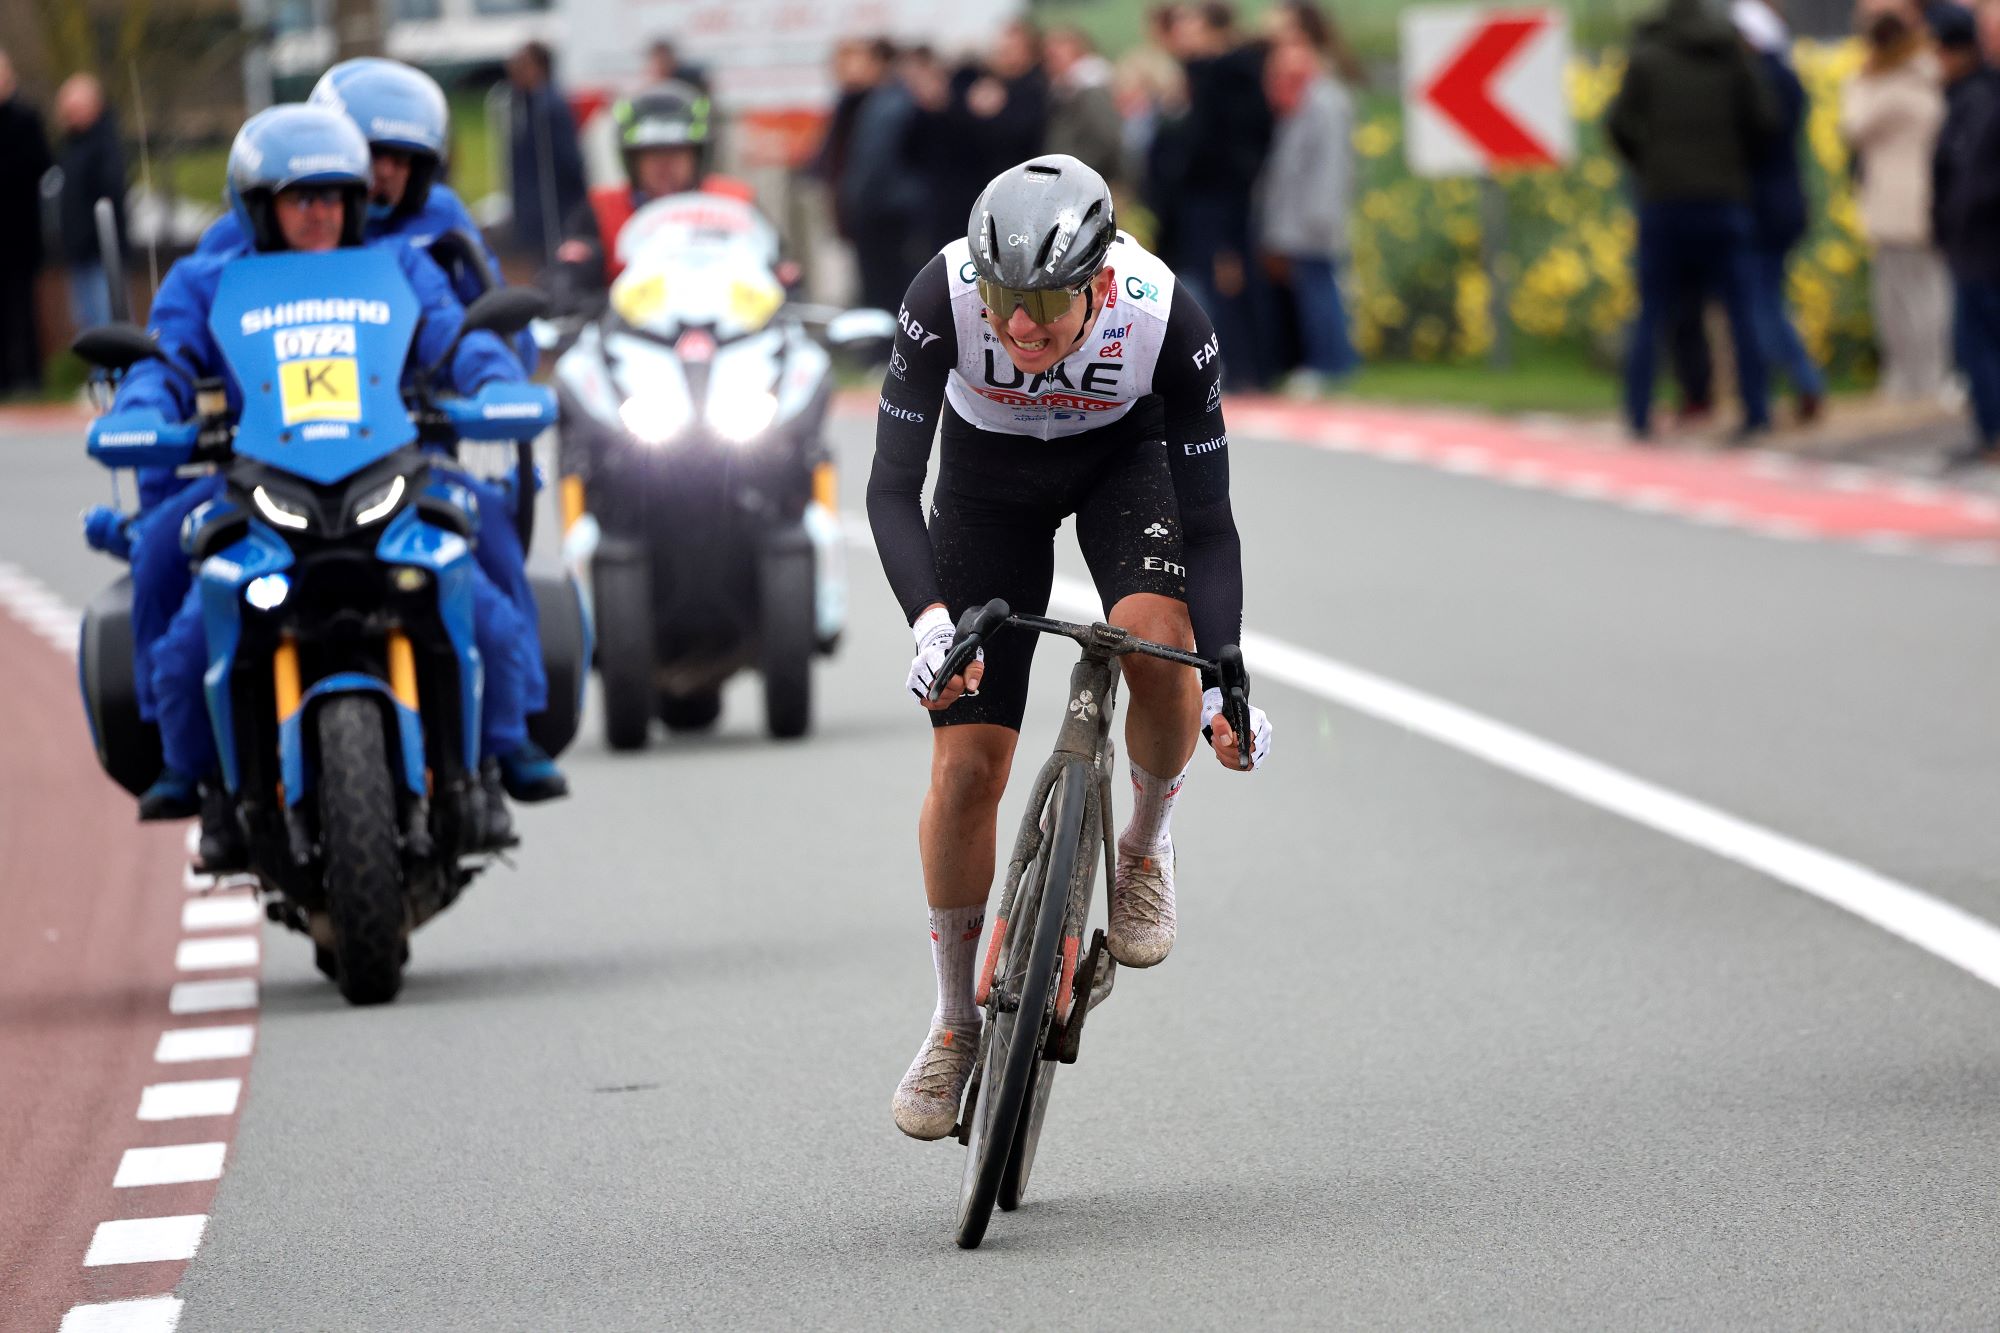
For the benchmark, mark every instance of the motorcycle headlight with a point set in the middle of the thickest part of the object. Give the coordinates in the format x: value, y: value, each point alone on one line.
x: 741, y: 418
x: 653, y: 420
x: 379, y: 503
x: 280, y: 510
x: 267, y: 592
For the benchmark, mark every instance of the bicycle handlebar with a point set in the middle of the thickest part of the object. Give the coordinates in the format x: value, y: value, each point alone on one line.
x: 980, y: 623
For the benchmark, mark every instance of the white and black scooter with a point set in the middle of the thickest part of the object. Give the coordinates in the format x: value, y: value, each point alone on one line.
x: 697, y: 487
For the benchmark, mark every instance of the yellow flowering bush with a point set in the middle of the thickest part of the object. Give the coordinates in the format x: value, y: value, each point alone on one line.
x: 1419, y: 288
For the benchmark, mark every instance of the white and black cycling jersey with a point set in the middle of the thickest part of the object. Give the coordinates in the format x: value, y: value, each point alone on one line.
x: 1110, y: 370
x: 1146, y: 369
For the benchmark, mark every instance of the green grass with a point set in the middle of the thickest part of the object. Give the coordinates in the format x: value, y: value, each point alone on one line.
x: 1541, y: 380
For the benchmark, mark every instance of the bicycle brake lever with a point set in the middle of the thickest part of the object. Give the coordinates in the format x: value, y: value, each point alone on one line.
x: 975, y: 627
x: 1234, y: 678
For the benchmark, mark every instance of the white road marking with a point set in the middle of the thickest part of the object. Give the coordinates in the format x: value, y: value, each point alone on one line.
x: 145, y: 1240
x: 34, y: 605
x: 214, y: 954
x: 150, y: 1314
x: 220, y: 912
x: 177, y: 1164
x: 179, y: 1046
x: 191, y: 1100
x: 212, y: 997
x: 1935, y: 926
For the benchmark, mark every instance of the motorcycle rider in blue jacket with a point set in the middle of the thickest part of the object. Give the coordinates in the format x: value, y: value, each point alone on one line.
x: 402, y: 113
x: 298, y: 180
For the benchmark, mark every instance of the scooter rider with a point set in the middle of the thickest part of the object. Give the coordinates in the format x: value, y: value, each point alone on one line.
x: 666, y: 140
x: 298, y: 180
x: 1073, y: 376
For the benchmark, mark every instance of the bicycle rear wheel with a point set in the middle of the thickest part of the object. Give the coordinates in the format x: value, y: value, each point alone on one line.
x: 1030, y: 965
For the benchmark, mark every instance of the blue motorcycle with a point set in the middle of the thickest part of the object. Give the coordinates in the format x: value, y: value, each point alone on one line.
x: 335, y: 578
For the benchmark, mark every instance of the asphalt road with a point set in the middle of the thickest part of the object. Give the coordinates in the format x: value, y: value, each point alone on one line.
x: 1437, y: 1048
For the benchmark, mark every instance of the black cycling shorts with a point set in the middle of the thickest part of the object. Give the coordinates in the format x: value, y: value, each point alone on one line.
x: 994, y: 513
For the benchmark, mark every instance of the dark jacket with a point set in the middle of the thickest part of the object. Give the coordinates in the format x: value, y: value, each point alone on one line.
x: 876, y: 188
x: 24, y: 159
x: 542, y: 130
x: 93, y: 168
x: 1693, y: 112
x: 1777, y: 189
x: 1228, y: 126
x: 1965, y: 176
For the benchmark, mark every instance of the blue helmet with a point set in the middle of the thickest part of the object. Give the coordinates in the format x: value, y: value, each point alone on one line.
x: 296, y: 145
x: 395, y: 106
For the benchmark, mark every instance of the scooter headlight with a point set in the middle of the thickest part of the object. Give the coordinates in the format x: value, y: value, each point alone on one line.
x: 280, y: 511
x: 653, y: 419
x: 741, y: 417
x: 379, y: 503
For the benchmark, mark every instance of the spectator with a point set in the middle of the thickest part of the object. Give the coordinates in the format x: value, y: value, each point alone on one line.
x: 1690, y: 117
x: 1152, y: 96
x: 545, y: 161
x: 1001, y: 109
x: 879, y: 199
x: 1083, y: 117
x: 93, y: 168
x: 24, y: 159
x: 1778, y: 206
x: 1307, y: 190
x: 933, y: 153
x: 1889, y: 115
x: 664, y: 65
x: 1965, y: 210
x: 1221, y: 144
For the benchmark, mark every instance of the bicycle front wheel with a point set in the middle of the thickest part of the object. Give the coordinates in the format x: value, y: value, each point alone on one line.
x: 1020, y: 1006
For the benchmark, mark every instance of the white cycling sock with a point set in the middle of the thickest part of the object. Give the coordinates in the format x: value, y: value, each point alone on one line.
x: 1152, y: 807
x: 955, y: 952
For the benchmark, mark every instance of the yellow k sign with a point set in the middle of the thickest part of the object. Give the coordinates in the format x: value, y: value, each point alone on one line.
x: 323, y: 389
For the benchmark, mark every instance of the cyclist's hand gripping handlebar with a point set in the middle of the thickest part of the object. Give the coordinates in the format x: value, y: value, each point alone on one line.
x: 975, y: 627
x: 1234, y: 679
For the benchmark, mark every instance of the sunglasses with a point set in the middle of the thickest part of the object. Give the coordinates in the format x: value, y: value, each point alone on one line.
x: 1044, y: 307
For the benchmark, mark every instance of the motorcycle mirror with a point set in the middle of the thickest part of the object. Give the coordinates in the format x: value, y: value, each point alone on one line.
x: 862, y: 336
x: 115, y: 346
x: 506, y: 311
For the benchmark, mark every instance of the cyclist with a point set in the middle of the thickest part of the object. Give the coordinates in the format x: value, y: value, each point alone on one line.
x: 1071, y: 376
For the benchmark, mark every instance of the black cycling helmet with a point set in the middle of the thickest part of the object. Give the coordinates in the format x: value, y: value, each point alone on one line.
x: 667, y: 115
x: 1042, y: 227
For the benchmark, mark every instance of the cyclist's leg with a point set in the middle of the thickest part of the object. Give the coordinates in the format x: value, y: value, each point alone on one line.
x: 983, y: 550
x: 1129, y: 528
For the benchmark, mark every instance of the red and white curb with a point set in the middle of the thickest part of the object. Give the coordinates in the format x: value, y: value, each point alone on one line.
x: 1760, y: 492
x: 207, y: 1032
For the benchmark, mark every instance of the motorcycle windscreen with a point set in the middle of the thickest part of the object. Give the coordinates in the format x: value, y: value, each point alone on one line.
x: 317, y: 344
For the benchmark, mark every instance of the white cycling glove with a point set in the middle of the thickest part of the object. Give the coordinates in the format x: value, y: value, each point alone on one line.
x: 934, y: 633
x: 1260, y: 726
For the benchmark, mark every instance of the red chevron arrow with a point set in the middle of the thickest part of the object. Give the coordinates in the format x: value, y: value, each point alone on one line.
x: 1462, y: 91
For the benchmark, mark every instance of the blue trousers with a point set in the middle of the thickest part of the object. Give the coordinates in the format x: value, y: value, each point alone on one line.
x: 1322, y: 316
x: 1686, y: 248
x: 1777, y: 335
x: 161, y: 577
x: 1975, y: 335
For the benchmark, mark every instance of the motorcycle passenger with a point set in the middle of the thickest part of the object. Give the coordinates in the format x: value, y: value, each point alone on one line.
x: 313, y: 208
x: 665, y: 140
x: 1072, y: 376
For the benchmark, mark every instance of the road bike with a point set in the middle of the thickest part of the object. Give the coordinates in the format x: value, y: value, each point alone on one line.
x: 1037, y: 983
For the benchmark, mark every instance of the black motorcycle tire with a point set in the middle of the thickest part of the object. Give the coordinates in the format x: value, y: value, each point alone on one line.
x: 559, y: 616
x: 624, y: 606
x: 363, y: 862
x: 691, y: 712
x: 789, y: 639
